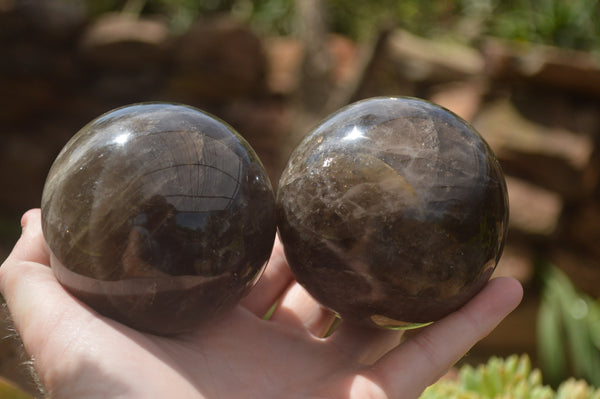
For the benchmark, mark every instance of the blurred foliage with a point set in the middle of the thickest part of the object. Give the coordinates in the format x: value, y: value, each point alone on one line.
x: 564, y: 23
x: 510, y: 378
x: 568, y: 330
x: 9, y: 391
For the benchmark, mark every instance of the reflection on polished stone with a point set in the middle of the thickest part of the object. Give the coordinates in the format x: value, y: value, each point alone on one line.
x: 159, y: 216
x: 392, y: 212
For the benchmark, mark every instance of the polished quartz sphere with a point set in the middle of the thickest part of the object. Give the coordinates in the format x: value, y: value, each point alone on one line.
x: 392, y: 212
x: 159, y: 216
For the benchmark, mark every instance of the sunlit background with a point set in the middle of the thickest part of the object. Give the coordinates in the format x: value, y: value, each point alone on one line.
x: 525, y: 73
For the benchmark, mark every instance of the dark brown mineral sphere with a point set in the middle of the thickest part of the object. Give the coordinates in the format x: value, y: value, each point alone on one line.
x: 159, y: 216
x: 392, y: 212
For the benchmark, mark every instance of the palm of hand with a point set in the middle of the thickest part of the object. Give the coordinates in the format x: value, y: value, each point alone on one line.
x: 78, y: 353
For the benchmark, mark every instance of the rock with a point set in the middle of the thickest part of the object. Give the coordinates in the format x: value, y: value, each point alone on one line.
x: 6, y: 5
x: 23, y: 96
x: 126, y: 87
x: 547, y: 66
x: 217, y: 59
x: 533, y: 210
x: 463, y: 98
x: 582, y: 226
x: 581, y: 267
x: 264, y: 123
x: 37, y: 37
x: 420, y: 59
x: 284, y: 58
x: 552, y: 157
x: 49, y: 22
x: 345, y: 55
x: 117, y: 41
x: 517, y: 261
x: 31, y: 158
x: 557, y: 109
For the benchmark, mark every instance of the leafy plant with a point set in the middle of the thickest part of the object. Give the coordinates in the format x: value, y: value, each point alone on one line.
x: 564, y: 23
x: 568, y: 330
x: 510, y: 378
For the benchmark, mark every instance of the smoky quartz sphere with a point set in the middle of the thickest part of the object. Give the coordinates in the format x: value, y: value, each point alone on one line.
x: 159, y: 216
x: 392, y: 212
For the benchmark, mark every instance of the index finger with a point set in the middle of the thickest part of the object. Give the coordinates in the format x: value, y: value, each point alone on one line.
x: 31, y: 246
x: 26, y: 272
x: 420, y: 361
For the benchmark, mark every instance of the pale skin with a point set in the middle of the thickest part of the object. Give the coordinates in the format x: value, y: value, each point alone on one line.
x: 79, y: 354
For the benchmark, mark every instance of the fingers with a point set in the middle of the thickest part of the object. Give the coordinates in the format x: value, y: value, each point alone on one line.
x: 272, y: 284
x: 36, y: 300
x: 31, y: 245
x: 421, y: 360
x: 297, y: 308
x: 47, y: 318
x: 366, y: 345
x: 29, y: 259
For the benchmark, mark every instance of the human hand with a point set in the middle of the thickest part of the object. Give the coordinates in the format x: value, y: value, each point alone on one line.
x: 79, y: 353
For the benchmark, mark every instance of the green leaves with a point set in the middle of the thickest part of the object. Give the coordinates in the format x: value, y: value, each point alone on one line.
x: 568, y: 330
x: 510, y: 378
x: 568, y: 344
x: 563, y: 23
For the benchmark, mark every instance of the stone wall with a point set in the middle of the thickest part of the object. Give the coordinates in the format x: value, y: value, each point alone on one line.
x: 59, y: 70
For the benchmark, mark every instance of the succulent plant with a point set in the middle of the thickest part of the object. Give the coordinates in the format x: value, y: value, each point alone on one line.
x: 510, y: 378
